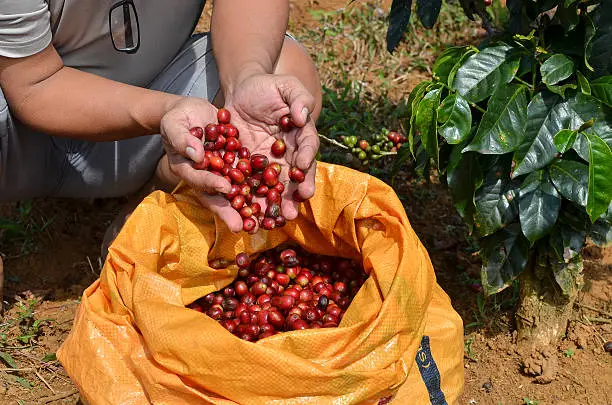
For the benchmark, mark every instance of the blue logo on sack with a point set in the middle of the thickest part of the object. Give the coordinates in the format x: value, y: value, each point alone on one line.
x: 429, y: 373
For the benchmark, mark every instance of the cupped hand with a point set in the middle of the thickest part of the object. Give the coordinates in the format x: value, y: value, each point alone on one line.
x: 256, y: 105
x: 184, y: 148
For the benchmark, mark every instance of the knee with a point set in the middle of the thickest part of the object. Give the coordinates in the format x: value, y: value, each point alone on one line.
x: 294, y: 60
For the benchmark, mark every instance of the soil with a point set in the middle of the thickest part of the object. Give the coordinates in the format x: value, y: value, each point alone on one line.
x: 64, y: 258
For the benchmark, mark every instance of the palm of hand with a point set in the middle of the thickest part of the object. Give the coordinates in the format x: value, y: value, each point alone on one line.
x: 256, y: 110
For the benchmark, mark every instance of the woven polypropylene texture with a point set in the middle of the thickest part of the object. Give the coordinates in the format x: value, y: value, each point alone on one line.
x: 134, y: 341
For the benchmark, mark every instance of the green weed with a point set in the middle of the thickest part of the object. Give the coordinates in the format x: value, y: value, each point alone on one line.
x: 22, y: 230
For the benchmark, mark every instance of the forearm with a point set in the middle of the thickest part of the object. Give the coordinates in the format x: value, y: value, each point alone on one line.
x: 247, y: 37
x: 94, y: 108
x: 66, y: 102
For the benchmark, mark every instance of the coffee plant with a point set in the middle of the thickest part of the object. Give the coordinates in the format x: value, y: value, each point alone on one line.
x: 520, y: 129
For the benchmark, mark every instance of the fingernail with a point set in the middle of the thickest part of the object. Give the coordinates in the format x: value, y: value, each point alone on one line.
x: 191, y: 153
x: 305, y: 113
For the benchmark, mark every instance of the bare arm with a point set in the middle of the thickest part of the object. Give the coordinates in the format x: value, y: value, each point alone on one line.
x: 58, y: 100
x: 247, y: 37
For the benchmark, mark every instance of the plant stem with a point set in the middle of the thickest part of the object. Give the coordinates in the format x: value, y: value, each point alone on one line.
x: 533, y: 76
x: 332, y: 141
x: 454, y: 91
x: 518, y: 79
x: 482, y: 110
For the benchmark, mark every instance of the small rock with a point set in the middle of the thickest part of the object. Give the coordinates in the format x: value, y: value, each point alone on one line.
x: 488, y: 386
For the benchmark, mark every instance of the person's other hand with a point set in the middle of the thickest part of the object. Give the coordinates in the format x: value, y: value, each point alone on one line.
x: 256, y: 106
x: 184, y: 148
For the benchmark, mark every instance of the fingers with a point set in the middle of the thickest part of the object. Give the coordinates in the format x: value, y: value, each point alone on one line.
x: 175, y: 127
x: 221, y: 207
x: 178, y: 139
x: 197, y: 179
x: 301, y: 102
x: 307, y: 146
x: 290, y: 209
x: 306, y: 189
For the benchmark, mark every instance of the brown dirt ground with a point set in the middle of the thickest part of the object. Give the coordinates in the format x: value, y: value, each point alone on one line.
x: 66, y: 261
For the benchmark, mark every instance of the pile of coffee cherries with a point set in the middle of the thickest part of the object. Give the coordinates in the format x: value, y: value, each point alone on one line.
x: 281, y: 290
x: 249, y: 174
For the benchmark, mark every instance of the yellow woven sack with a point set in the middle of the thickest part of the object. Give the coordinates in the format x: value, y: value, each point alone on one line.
x: 134, y: 342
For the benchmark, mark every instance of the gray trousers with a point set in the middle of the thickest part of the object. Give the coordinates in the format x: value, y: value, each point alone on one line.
x: 33, y: 164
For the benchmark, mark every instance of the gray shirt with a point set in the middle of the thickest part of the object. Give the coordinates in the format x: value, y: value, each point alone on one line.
x: 80, y: 30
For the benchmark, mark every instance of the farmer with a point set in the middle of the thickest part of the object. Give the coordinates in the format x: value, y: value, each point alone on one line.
x: 97, y: 97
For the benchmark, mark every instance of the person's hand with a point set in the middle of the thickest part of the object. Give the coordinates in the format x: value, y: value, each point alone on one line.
x: 256, y: 106
x: 184, y: 148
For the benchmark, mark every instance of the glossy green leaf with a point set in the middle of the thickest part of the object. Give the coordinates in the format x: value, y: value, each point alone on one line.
x: 600, y: 168
x: 453, y: 73
x: 547, y: 116
x: 485, y: 72
x: 567, y: 274
x: 569, y: 234
x: 447, y: 60
x: 556, y: 68
x: 456, y: 117
x: 399, y: 17
x: 571, y: 179
x: 583, y: 84
x: 602, y: 89
x: 416, y: 95
x: 564, y: 140
x: 589, y: 33
x: 561, y: 89
x: 428, y: 11
x: 496, y: 200
x: 504, y: 257
x: 426, y: 123
x: 464, y: 176
x: 544, y: 120
x: 599, y: 51
x: 503, y: 125
x: 421, y: 160
x: 589, y: 110
x: 601, y: 231
x: 539, y: 205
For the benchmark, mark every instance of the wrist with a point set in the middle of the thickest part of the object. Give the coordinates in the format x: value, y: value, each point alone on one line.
x: 233, y: 80
x: 171, y: 102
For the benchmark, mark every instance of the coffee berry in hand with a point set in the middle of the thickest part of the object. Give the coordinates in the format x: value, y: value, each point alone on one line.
x: 249, y: 174
x: 283, y: 289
